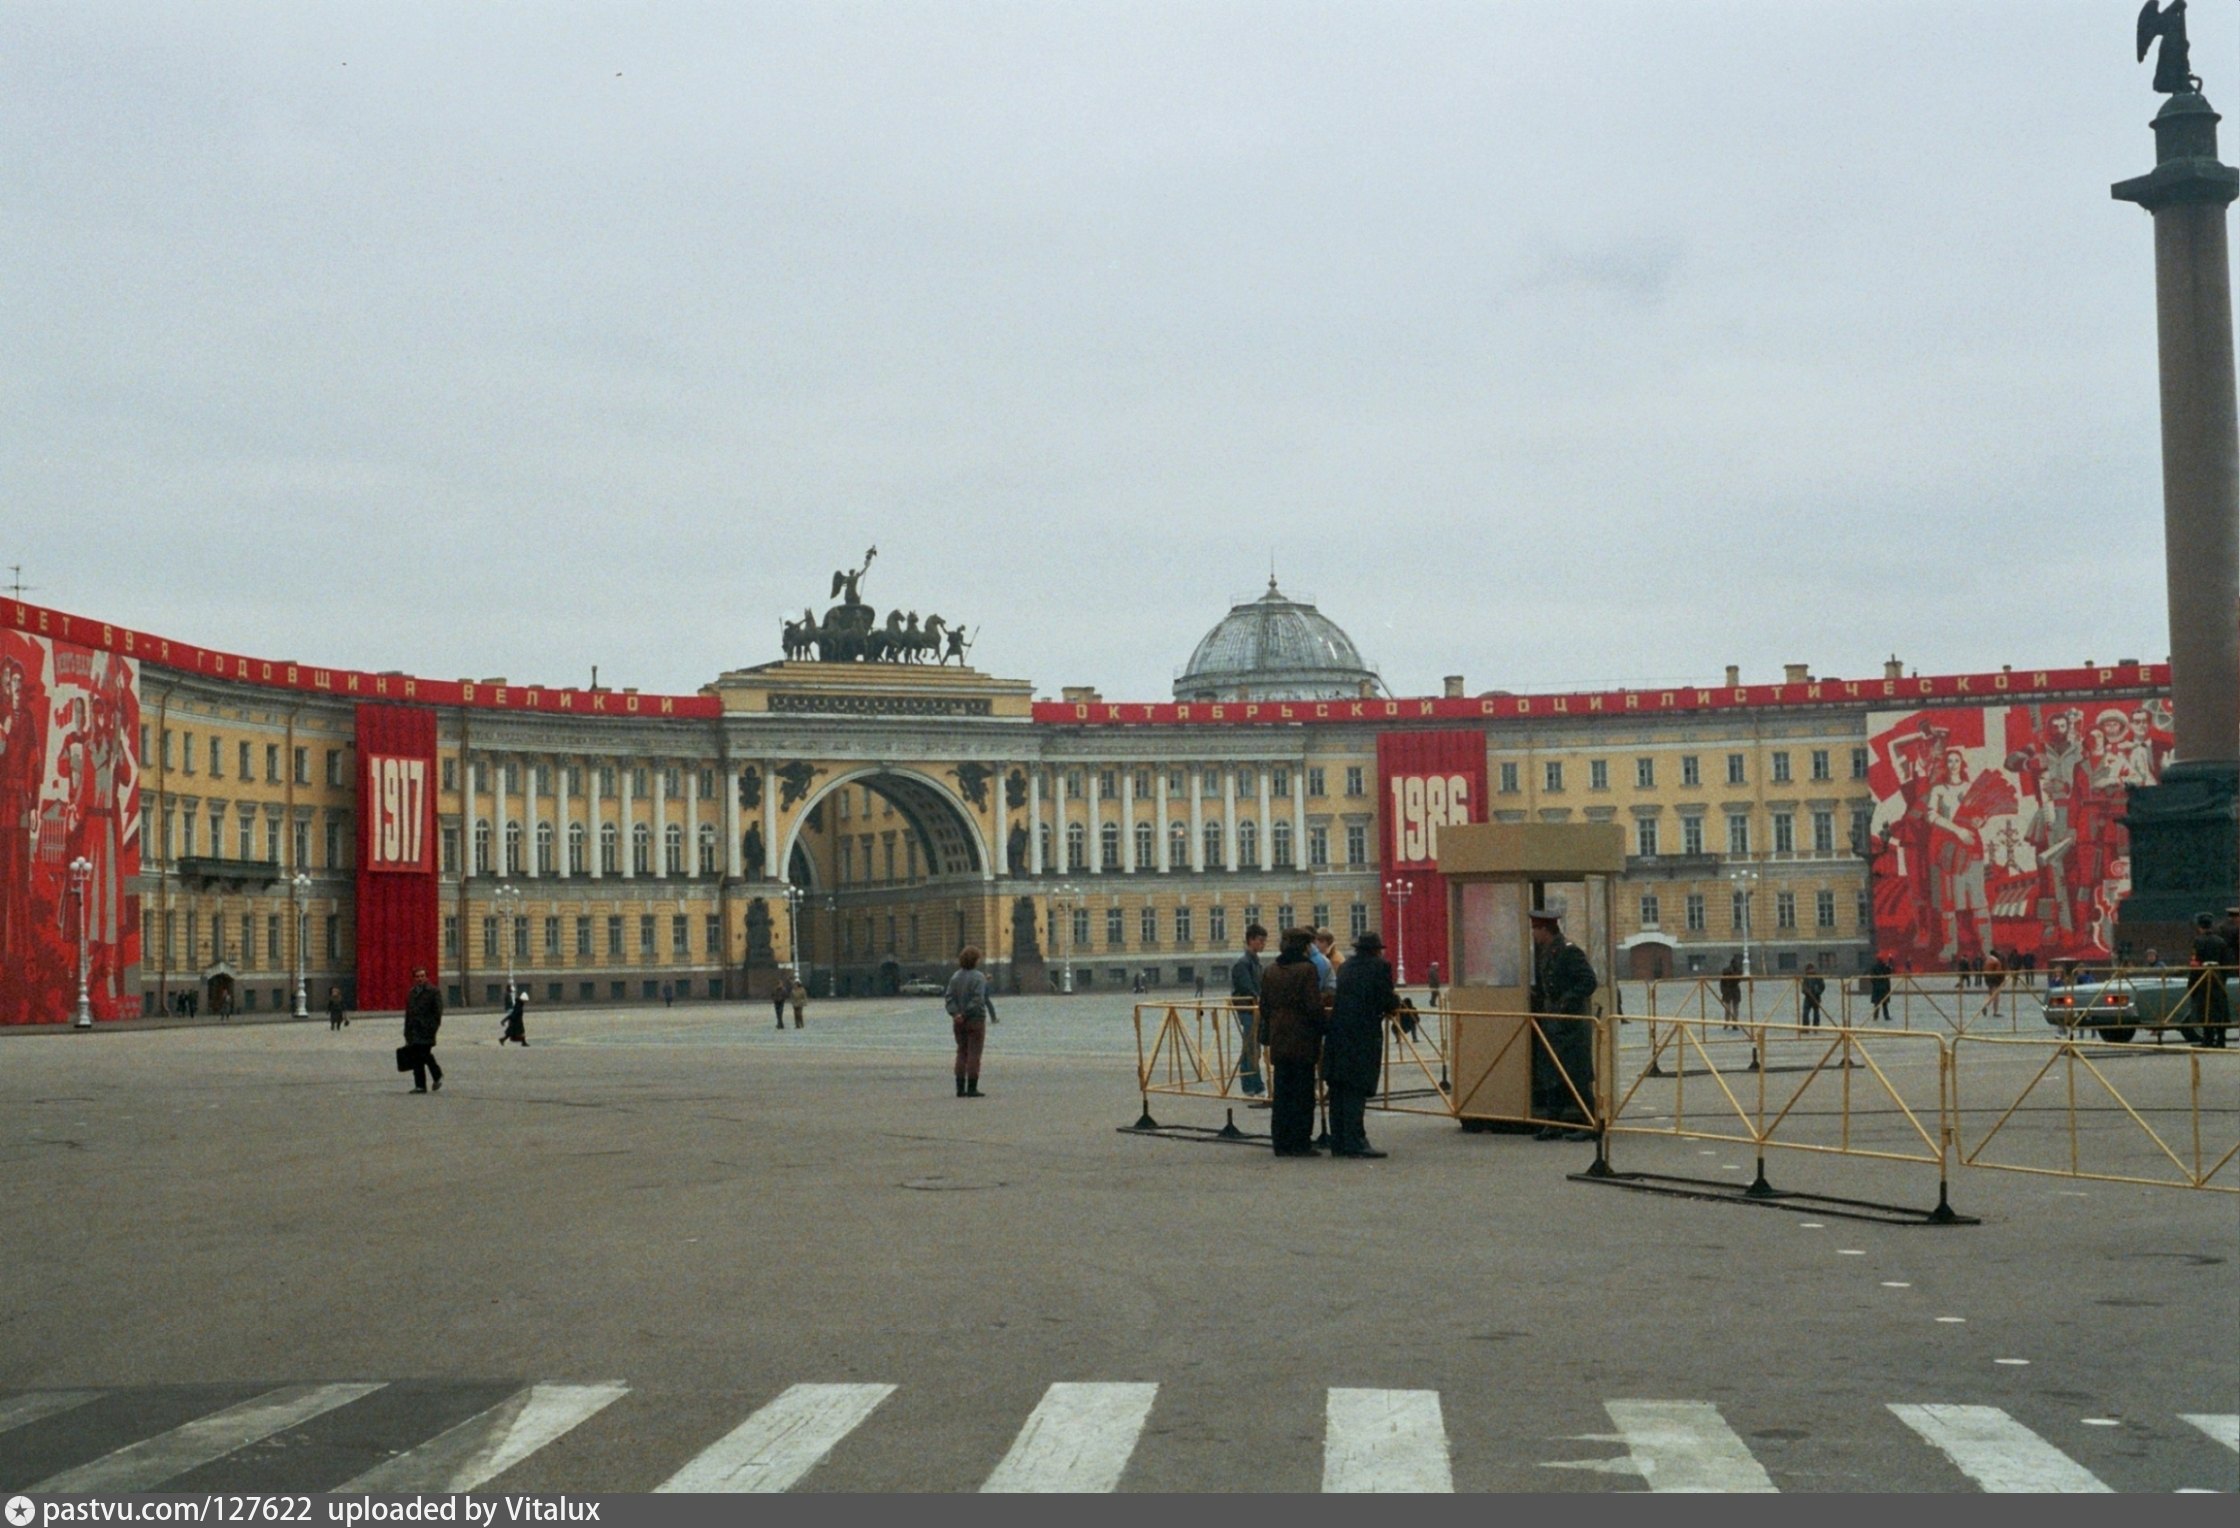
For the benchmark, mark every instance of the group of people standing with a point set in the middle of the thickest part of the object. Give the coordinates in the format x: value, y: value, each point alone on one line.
x: 1313, y: 1010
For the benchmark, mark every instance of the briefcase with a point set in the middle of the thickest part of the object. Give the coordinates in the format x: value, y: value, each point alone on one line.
x: 405, y: 1056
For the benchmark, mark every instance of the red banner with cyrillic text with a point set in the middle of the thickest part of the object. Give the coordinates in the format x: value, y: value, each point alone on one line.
x: 1429, y: 781
x: 397, y: 898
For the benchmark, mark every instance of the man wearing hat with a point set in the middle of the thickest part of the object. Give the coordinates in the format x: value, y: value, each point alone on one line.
x: 1562, y: 983
x: 2212, y: 1008
x: 1353, y: 1051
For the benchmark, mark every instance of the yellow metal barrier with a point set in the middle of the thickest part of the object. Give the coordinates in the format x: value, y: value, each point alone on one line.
x: 2108, y: 1101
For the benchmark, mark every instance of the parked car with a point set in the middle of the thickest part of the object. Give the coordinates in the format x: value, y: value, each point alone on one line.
x: 2118, y: 1006
x: 920, y: 987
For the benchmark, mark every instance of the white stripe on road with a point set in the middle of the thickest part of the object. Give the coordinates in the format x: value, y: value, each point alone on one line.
x: 1997, y: 1452
x: 23, y: 1410
x: 782, y: 1442
x: 489, y: 1443
x: 1686, y: 1446
x: 1078, y: 1439
x: 149, y: 1463
x: 1385, y: 1440
x: 2222, y: 1426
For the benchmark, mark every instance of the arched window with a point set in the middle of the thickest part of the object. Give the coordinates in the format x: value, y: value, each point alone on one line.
x: 544, y: 848
x: 1213, y: 845
x: 1077, y: 846
x: 1248, y: 845
x: 672, y: 849
x: 641, y: 850
x: 481, y: 845
x: 610, y: 861
x: 1147, y: 846
x: 1178, y: 846
x: 513, y: 848
x: 1279, y: 844
x: 575, y: 848
x: 708, y: 847
x: 1108, y: 846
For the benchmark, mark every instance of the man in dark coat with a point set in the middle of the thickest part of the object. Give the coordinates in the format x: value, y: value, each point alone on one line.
x: 1291, y: 1026
x: 2212, y: 1006
x: 423, y: 1016
x: 1244, y: 993
x: 1353, y: 1051
x: 1563, y: 982
x: 1878, y: 987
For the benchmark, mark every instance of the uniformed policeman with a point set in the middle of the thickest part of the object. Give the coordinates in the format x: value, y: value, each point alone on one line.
x: 1563, y: 982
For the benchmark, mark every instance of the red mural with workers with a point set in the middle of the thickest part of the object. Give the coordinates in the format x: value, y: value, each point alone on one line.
x: 69, y: 791
x: 1999, y: 828
x: 1426, y: 781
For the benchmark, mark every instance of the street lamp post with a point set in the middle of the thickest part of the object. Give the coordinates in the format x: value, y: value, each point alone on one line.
x: 301, y: 887
x: 508, y: 899
x: 1399, y: 890
x: 832, y: 930
x: 793, y: 933
x: 1747, y: 878
x: 81, y: 879
x: 1063, y: 898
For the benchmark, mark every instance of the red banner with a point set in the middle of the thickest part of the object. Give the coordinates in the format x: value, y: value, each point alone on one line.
x: 69, y: 829
x: 1428, y: 780
x: 397, y: 895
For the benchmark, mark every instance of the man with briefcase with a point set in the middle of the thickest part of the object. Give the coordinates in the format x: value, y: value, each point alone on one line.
x: 423, y: 1016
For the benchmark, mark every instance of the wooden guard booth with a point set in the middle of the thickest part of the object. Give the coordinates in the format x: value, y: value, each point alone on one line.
x: 1496, y: 873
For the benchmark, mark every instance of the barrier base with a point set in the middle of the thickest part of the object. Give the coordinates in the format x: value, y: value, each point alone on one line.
x: 1220, y: 1135
x: 1761, y: 1193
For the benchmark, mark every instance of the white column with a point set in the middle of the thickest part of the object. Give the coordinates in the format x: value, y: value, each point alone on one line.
x: 622, y: 833
x: 1034, y: 820
x: 1267, y: 846
x: 1128, y: 821
x: 560, y: 820
x: 769, y: 820
x: 660, y: 821
x: 529, y: 819
x: 591, y: 818
x: 1299, y: 814
x: 691, y: 821
x: 1229, y: 818
x: 1096, y: 825
x: 731, y: 828
x: 498, y: 816
x: 1166, y: 852
x: 1197, y: 818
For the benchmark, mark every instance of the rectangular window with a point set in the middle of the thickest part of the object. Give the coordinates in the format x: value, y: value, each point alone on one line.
x: 1695, y: 912
x: 450, y: 772
x: 272, y: 935
x: 1284, y: 916
x: 1182, y: 927
x: 1649, y: 909
x: 1858, y: 763
x: 614, y: 936
x: 1314, y: 781
x: 1865, y: 909
x: 1784, y: 832
x: 1823, y: 832
x: 645, y: 934
x: 248, y: 939
x: 1147, y: 927
x: 1784, y: 909
x: 334, y: 843
x: 1080, y: 928
x: 1357, y: 920
x: 680, y: 933
x: 1073, y: 785
x: 1598, y: 774
x: 1736, y: 773
x: 1217, y: 924
x: 714, y: 934
x: 1552, y: 775
x: 637, y: 780
x: 450, y: 934
x: 1645, y: 836
x: 1322, y: 915
x: 1691, y: 835
x: 1862, y: 828
x: 606, y: 780
x: 1820, y: 766
x: 272, y: 839
x: 243, y: 763
x: 489, y: 939
x: 1318, y: 848
x: 1115, y: 927
x: 1738, y: 833
x: 520, y: 938
x: 1824, y: 909
x: 1781, y: 767
x: 272, y: 763
x: 1509, y: 785
x: 583, y: 938
x: 1279, y: 782
x: 450, y: 842
x: 1357, y: 844
x: 186, y: 756
x: 1354, y: 787
x: 1741, y: 912
x: 1108, y: 784
x: 1247, y: 782
x: 552, y: 937
x: 1645, y: 774
x: 248, y: 835
x: 334, y: 766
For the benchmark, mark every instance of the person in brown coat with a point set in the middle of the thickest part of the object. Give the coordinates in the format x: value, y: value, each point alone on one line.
x: 1292, y: 1022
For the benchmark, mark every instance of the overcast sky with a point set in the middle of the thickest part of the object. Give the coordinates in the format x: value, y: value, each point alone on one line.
x: 1552, y: 344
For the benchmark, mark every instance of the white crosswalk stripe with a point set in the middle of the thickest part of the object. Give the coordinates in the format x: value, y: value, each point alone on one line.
x: 23, y: 1410
x: 1997, y: 1452
x: 1079, y: 1439
x: 147, y: 1464
x: 782, y: 1442
x: 1686, y: 1446
x: 1385, y: 1440
x: 487, y: 1445
x: 2222, y: 1426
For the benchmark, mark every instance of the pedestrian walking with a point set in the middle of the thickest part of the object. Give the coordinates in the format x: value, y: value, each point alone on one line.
x: 1563, y: 982
x: 668, y: 994
x: 1291, y: 1027
x: 778, y: 996
x: 338, y: 1017
x: 1730, y: 991
x: 970, y: 1005
x: 1353, y: 1049
x: 516, y: 1024
x: 423, y: 1016
x: 1244, y: 996
x: 1992, y: 972
x: 1813, y: 988
x: 1431, y: 980
x: 798, y: 997
x: 2212, y: 1005
x: 1878, y: 988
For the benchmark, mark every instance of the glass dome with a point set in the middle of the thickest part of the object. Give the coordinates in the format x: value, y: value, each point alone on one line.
x: 1275, y: 648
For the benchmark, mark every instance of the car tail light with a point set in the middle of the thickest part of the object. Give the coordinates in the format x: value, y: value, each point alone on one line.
x: 2064, y: 1002
x: 2112, y: 998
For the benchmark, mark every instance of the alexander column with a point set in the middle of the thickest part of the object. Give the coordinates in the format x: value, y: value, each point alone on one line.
x: 2185, y: 832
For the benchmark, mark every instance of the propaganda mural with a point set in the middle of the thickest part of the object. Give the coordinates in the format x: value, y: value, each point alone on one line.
x: 2000, y: 827
x: 69, y: 789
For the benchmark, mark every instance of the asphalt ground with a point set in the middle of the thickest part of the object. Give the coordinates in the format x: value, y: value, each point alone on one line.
x: 696, y: 1206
